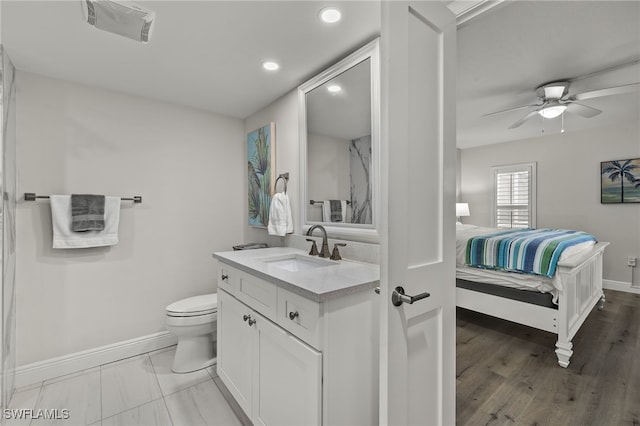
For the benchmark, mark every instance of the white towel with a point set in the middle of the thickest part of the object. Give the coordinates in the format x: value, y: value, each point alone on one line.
x: 326, y: 211
x: 280, y: 222
x: 64, y: 237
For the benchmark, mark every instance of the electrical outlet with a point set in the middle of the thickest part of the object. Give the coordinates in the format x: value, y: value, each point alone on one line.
x: 631, y: 261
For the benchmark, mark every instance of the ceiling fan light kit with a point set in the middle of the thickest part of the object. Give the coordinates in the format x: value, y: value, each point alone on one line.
x: 552, y: 111
x: 554, y: 99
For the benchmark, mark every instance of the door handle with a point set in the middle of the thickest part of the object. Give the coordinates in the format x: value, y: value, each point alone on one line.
x: 398, y: 297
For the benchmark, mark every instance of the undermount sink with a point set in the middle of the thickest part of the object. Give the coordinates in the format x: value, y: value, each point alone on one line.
x: 297, y: 262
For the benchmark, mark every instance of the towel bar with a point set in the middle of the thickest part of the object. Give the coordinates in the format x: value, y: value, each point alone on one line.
x: 312, y: 202
x: 31, y: 196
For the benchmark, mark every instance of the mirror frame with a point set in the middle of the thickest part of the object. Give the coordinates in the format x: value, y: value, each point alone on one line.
x: 348, y: 231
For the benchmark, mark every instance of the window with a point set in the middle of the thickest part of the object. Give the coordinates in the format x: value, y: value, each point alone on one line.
x: 514, y: 196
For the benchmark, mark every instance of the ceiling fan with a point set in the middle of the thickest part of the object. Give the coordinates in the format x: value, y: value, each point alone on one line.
x: 554, y: 98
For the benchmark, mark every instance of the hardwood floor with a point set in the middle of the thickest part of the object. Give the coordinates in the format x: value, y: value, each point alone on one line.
x: 508, y: 374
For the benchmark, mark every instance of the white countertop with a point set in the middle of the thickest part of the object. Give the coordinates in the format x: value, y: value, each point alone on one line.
x: 318, y: 284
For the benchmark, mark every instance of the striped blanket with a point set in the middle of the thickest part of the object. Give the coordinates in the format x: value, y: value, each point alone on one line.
x: 531, y: 251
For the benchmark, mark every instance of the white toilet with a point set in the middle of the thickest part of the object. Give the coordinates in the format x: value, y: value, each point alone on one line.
x: 193, y: 320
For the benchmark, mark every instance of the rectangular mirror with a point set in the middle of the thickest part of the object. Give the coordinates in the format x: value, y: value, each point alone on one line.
x: 339, y: 147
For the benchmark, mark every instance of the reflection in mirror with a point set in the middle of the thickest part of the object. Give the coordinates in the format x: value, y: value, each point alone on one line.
x: 339, y: 148
x: 339, y: 143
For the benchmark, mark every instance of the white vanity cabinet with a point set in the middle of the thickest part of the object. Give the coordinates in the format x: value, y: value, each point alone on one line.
x: 291, y: 360
x: 275, y: 377
x: 235, y: 361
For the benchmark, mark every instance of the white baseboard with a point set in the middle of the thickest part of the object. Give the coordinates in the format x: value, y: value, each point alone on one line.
x: 67, y: 364
x: 620, y: 286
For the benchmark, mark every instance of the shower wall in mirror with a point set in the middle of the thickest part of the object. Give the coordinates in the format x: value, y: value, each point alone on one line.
x: 340, y: 169
x: 8, y: 228
x: 359, y: 166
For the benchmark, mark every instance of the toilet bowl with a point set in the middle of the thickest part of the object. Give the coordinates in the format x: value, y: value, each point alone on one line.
x: 193, y: 321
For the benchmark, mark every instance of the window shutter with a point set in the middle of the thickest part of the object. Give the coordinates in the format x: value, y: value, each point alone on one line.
x: 513, y: 196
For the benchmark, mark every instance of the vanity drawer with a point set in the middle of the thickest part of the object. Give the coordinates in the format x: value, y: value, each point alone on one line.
x: 300, y: 316
x: 258, y: 294
x: 228, y: 278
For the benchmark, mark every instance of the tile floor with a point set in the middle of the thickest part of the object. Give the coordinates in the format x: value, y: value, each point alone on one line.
x: 140, y: 390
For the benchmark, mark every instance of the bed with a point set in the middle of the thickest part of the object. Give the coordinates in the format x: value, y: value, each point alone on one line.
x: 559, y: 303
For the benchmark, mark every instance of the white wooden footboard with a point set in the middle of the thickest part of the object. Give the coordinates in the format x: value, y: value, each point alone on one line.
x: 581, y: 288
x: 580, y: 279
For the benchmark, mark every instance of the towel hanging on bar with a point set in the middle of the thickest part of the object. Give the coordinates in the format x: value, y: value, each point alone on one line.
x: 87, y: 212
x: 31, y: 196
x: 334, y: 210
x: 65, y: 238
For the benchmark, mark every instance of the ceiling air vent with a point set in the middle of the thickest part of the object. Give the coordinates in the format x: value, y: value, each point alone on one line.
x: 124, y: 18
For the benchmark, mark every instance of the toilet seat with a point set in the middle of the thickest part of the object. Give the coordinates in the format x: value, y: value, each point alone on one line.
x: 176, y: 321
x: 194, y: 306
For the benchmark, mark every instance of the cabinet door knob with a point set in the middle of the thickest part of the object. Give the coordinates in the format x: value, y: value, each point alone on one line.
x: 251, y: 322
x: 293, y: 315
x: 224, y: 277
x: 246, y: 317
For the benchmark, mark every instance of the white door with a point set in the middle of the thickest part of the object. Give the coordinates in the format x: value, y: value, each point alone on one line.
x: 417, y: 359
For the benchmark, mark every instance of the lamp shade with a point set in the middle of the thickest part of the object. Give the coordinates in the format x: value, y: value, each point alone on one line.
x: 462, y: 209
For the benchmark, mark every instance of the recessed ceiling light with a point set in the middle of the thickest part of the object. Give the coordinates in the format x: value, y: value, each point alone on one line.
x: 270, y: 65
x: 334, y: 88
x: 330, y: 15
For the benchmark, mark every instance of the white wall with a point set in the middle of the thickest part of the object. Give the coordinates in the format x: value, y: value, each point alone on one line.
x: 284, y: 113
x: 328, y: 171
x: 568, y: 187
x: 188, y: 167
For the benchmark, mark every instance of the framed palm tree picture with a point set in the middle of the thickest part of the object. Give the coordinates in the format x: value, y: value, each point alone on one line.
x: 620, y: 181
x: 261, y: 156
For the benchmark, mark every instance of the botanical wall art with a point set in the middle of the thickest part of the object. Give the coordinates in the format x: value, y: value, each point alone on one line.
x: 261, y: 167
x: 620, y: 181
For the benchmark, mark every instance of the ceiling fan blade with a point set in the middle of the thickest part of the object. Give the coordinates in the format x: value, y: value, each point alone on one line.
x: 606, y: 70
x: 523, y: 119
x: 512, y: 109
x: 582, y: 110
x: 617, y: 90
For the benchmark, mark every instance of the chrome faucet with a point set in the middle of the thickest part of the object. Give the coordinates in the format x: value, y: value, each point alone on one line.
x: 324, y: 252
